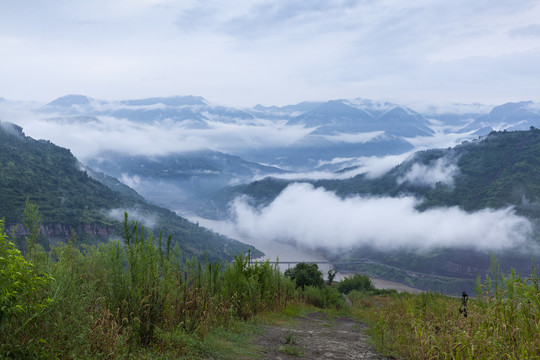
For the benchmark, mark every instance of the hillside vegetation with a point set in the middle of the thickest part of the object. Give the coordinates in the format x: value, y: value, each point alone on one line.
x: 68, y: 198
x: 496, y: 171
x: 502, y: 322
x: 134, y: 299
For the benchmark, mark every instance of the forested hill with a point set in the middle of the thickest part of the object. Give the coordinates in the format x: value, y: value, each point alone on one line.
x: 495, y: 171
x: 498, y: 170
x: 68, y: 198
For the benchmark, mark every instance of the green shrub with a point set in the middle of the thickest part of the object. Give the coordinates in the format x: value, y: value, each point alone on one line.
x: 325, y: 297
x: 356, y: 282
x: 131, y: 299
x: 20, y: 286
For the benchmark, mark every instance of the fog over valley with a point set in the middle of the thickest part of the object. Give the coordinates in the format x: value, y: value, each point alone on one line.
x: 315, y: 218
x: 269, y: 178
x: 400, y: 134
x: 201, y: 159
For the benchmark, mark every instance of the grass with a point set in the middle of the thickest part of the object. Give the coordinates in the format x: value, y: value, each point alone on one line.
x: 503, y: 322
x: 293, y: 350
x: 135, y: 300
x: 291, y: 347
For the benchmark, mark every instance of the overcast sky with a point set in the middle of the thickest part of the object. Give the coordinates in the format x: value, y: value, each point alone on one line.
x: 241, y: 53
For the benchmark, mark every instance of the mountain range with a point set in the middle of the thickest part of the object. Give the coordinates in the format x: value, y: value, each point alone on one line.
x: 470, y: 157
x: 323, y: 136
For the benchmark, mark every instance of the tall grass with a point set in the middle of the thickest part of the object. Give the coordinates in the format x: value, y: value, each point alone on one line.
x: 503, y: 322
x: 133, y: 297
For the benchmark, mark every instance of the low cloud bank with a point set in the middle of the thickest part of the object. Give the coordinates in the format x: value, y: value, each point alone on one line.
x: 372, y: 166
x: 145, y: 218
x: 90, y: 136
x: 358, y: 138
x: 314, y: 217
x: 441, y: 170
x: 131, y: 181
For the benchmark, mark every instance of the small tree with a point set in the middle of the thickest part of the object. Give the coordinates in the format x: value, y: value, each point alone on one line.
x: 32, y: 222
x: 331, y: 275
x: 306, y: 275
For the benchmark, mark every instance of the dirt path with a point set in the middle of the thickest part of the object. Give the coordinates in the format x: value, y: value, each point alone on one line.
x: 316, y: 336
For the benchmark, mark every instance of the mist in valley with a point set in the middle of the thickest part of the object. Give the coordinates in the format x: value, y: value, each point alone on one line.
x: 302, y: 217
x: 299, y: 94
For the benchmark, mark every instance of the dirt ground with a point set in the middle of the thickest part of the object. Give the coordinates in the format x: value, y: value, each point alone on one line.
x: 316, y: 336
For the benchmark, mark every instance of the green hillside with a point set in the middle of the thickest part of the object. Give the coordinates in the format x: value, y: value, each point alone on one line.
x: 496, y: 171
x: 68, y: 198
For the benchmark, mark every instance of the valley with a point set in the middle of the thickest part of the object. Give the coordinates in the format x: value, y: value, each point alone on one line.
x: 269, y: 180
x: 321, y: 181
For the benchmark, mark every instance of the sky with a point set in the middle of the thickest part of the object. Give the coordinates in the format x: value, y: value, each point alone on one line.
x: 241, y: 53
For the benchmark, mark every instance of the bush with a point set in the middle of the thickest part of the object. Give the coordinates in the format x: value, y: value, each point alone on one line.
x: 356, y: 282
x: 306, y: 275
x: 325, y: 297
x: 19, y: 284
x: 131, y: 298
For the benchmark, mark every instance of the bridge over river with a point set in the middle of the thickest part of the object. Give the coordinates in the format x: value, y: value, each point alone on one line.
x: 328, y: 264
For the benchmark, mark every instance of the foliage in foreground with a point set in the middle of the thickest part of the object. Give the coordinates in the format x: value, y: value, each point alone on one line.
x: 503, y: 322
x: 133, y: 299
x: 356, y: 282
x: 19, y: 284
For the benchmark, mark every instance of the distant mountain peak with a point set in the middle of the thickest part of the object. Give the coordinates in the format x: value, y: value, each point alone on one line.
x: 510, y: 116
x: 168, y: 101
x: 69, y: 100
x: 521, y: 106
x: 256, y: 107
x: 338, y: 108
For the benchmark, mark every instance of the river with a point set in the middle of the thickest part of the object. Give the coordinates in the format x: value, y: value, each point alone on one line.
x: 283, y: 252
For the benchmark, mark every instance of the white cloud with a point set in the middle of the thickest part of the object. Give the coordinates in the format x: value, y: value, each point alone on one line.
x: 372, y: 166
x: 271, y: 52
x: 144, y: 218
x: 359, y: 138
x: 317, y: 218
x: 131, y: 181
x: 312, y: 175
x: 88, y: 138
x: 441, y: 170
x: 375, y: 167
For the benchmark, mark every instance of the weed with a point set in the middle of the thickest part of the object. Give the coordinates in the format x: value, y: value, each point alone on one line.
x: 290, y: 346
x: 136, y: 299
x: 290, y: 339
x: 503, y: 322
x: 293, y: 350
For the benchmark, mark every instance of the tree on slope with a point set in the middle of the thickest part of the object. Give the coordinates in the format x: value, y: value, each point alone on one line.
x: 306, y: 275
